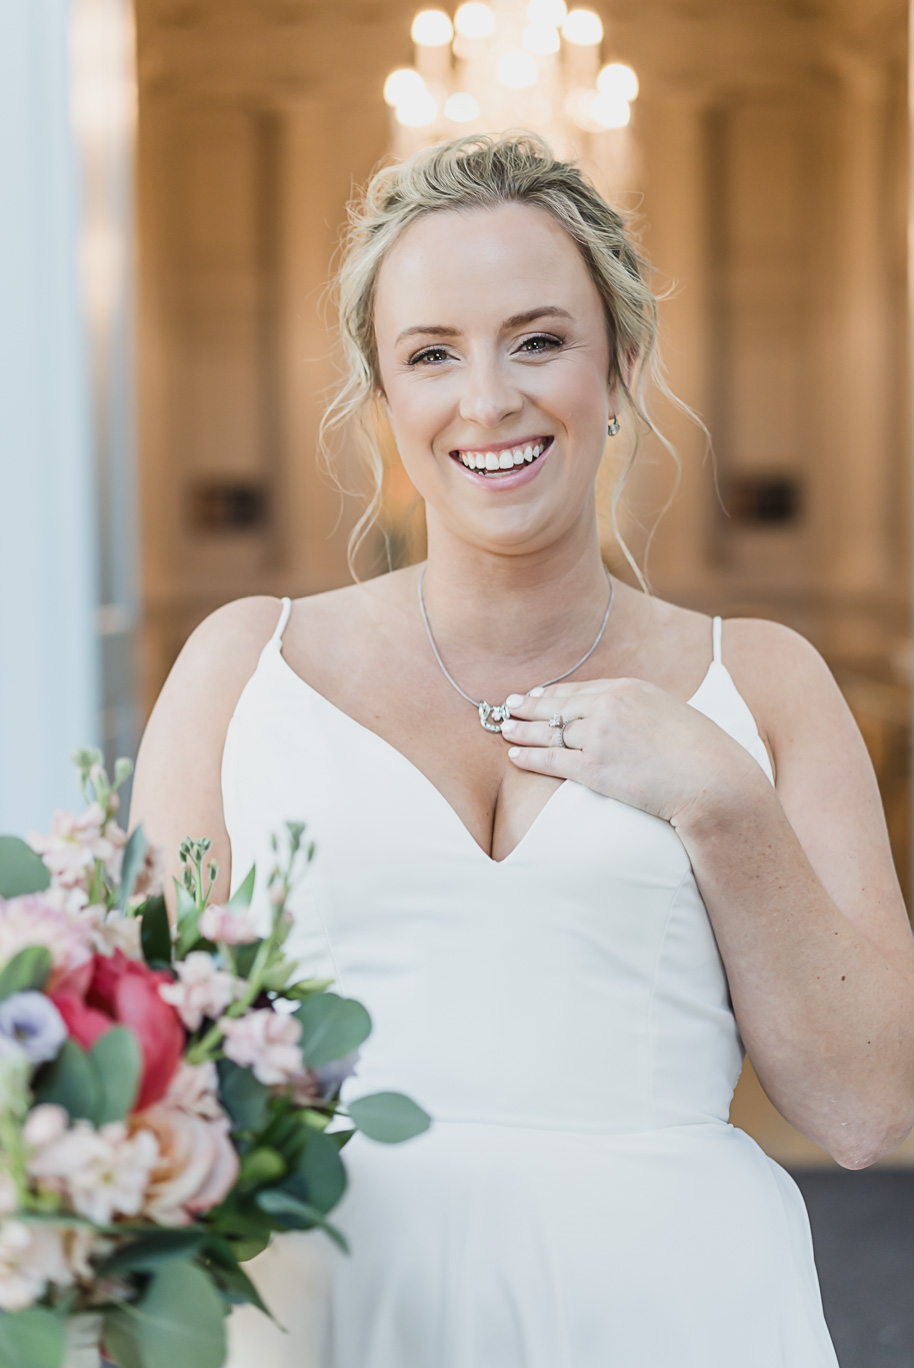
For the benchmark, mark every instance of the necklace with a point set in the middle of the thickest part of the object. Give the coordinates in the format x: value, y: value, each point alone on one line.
x: 491, y: 715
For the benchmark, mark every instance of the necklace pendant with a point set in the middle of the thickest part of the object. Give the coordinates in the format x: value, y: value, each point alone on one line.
x: 498, y: 714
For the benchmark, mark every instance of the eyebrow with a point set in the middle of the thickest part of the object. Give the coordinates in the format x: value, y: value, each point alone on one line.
x: 515, y: 321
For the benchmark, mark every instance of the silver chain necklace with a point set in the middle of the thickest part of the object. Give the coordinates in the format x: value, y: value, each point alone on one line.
x: 491, y: 716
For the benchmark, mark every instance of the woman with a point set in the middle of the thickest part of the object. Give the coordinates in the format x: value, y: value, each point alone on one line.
x: 562, y: 974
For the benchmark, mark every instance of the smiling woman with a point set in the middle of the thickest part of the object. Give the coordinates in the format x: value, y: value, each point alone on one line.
x: 663, y: 849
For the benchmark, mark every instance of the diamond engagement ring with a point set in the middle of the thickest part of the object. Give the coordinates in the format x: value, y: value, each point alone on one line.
x: 564, y: 724
x: 557, y: 720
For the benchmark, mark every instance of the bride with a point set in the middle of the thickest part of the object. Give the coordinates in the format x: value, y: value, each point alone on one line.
x: 577, y: 848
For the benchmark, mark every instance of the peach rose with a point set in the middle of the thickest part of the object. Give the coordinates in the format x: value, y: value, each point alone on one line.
x: 198, y: 1164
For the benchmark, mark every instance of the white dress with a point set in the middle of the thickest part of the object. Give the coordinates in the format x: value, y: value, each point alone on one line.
x: 581, y: 1200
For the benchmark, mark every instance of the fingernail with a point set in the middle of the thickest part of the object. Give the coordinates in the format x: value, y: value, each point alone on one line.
x: 514, y: 700
x: 537, y: 692
x: 508, y: 726
x: 514, y: 752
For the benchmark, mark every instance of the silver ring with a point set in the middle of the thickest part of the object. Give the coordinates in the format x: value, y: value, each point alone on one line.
x: 556, y: 720
x: 565, y: 722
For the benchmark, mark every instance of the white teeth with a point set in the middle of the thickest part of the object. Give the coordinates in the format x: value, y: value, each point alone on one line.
x: 491, y: 461
x: 505, y: 460
x: 518, y: 457
x: 528, y: 453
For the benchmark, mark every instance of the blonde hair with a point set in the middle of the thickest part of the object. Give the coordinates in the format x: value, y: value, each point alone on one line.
x: 484, y: 171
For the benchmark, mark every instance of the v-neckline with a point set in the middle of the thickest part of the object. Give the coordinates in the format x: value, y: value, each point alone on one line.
x: 412, y: 767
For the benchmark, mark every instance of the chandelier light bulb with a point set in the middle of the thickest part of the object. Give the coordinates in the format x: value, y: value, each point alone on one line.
x: 618, y: 80
x: 418, y: 111
x: 401, y: 85
x: 461, y: 107
x: 474, y: 20
x: 541, y: 39
x: 551, y: 12
x: 583, y: 27
x: 517, y: 70
x: 610, y: 110
x: 432, y: 28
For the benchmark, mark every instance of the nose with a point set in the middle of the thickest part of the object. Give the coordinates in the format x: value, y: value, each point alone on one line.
x: 488, y: 397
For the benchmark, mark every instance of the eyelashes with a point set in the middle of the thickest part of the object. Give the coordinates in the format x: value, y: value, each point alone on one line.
x: 424, y: 357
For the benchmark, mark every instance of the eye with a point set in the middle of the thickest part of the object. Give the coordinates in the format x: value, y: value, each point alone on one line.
x: 432, y: 355
x: 539, y: 344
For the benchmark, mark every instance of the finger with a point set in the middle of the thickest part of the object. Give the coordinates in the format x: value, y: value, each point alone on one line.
x: 566, y: 704
x: 554, y: 760
x: 541, y: 734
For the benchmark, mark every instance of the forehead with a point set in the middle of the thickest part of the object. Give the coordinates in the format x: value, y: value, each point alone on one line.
x: 453, y: 263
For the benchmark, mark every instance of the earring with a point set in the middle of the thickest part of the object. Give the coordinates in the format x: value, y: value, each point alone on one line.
x: 613, y: 427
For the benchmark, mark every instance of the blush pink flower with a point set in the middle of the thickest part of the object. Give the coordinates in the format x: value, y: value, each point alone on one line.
x: 76, y: 841
x: 101, y: 1173
x: 33, y: 920
x: 229, y: 925
x: 197, y: 1165
x: 195, y: 1089
x: 34, y: 1256
x: 267, y: 1042
x: 200, y: 990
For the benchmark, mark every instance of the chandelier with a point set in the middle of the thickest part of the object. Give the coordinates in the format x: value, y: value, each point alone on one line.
x: 531, y: 64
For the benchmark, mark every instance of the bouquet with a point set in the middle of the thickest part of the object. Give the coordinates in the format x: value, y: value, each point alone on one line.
x: 165, y: 1092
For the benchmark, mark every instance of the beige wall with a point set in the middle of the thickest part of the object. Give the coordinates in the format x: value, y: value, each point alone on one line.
x: 772, y: 184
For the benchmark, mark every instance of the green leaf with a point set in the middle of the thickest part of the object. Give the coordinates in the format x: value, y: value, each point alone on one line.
x: 29, y: 969
x: 178, y: 1323
x: 33, y: 1338
x: 320, y: 1178
x: 116, y: 1059
x: 245, y: 956
x: 305, y: 987
x: 244, y: 1098
x: 155, y: 932
x: 234, y: 1284
x: 186, y: 919
x: 332, y: 1027
x: 294, y: 1214
x: 388, y: 1117
x: 134, y: 855
x: 149, y: 1251
x: 21, y: 870
x: 71, y: 1081
x: 340, y: 1137
x: 244, y: 892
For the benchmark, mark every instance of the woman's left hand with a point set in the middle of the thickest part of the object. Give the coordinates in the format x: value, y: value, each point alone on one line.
x: 628, y: 739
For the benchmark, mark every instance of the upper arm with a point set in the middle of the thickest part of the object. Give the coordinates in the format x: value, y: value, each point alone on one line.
x: 177, y: 789
x: 825, y: 779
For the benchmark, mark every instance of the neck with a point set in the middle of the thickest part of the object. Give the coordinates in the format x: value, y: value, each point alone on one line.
x: 512, y: 621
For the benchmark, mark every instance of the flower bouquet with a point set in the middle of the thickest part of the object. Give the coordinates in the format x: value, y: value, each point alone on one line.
x: 166, y: 1093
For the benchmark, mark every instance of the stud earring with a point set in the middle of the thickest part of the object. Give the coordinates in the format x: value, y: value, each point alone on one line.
x: 613, y: 427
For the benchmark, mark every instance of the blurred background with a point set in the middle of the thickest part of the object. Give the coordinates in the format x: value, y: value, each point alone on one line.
x: 175, y: 177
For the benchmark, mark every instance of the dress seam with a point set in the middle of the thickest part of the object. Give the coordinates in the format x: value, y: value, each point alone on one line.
x: 650, y: 1002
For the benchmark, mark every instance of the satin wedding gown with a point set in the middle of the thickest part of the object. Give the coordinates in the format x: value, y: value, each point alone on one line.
x: 581, y: 1200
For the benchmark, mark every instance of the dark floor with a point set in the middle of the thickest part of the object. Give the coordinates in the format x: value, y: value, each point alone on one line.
x: 863, y: 1232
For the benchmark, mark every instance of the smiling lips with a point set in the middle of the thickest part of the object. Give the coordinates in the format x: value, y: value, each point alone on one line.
x: 504, y: 458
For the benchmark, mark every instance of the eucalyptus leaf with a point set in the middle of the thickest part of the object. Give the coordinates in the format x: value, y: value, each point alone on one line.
x: 134, y: 855
x: 320, y: 1178
x: 244, y: 1098
x: 155, y: 932
x: 389, y: 1117
x: 234, y: 1284
x: 244, y: 892
x: 34, y: 1338
x: 121, y: 1335
x: 332, y: 1027
x: 29, y: 969
x: 295, y: 1214
x: 71, y: 1081
x: 179, y: 1322
x: 149, y: 1251
x: 262, y: 1165
x: 21, y: 869
x: 116, y: 1059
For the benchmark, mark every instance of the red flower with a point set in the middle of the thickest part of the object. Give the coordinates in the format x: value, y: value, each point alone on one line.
x: 124, y: 992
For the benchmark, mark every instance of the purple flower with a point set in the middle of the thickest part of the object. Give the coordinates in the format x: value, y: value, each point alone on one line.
x: 32, y: 1022
x: 331, y: 1076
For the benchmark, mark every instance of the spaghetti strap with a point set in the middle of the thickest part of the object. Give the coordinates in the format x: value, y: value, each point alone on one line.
x: 715, y: 636
x: 276, y: 638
